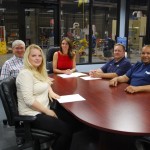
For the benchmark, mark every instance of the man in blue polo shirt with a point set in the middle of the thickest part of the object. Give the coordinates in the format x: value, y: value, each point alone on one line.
x: 138, y: 76
x: 114, y: 68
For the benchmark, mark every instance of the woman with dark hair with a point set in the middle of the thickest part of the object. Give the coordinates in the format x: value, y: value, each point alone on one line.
x: 64, y: 60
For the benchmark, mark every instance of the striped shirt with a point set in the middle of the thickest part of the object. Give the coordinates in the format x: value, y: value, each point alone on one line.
x: 11, y: 67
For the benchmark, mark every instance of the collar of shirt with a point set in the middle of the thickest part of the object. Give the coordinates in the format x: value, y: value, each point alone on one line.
x: 18, y: 58
x: 117, y: 62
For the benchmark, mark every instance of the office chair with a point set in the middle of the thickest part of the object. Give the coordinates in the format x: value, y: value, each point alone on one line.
x: 23, y: 130
x: 4, y: 120
x: 49, y: 58
x: 141, y: 142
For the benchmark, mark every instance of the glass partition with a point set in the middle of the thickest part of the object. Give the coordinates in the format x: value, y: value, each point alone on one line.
x: 39, y: 27
x: 77, y: 19
x: 137, y: 29
x: 75, y: 25
x: 104, y: 30
x: 9, y: 30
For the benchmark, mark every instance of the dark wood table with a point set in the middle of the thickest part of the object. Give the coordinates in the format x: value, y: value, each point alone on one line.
x: 106, y: 108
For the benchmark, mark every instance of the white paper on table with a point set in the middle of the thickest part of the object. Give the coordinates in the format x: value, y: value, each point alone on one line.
x: 89, y: 78
x: 70, y: 98
x: 74, y: 74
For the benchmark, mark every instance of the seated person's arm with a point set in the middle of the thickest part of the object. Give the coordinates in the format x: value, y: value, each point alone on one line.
x: 55, y: 59
x: 55, y: 69
x: 108, y: 75
x: 74, y: 64
x: 52, y: 94
x: 120, y: 79
x: 94, y: 73
x: 135, y: 89
x: 121, y: 70
x: 39, y: 107
x: 100, y: 74
x: 25, y: 82
x: 67, y: 71
x: 5, y: 72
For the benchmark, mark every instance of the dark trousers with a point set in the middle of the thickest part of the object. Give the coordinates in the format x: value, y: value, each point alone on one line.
x: 64, y: 126
x: 86, y: 139
x: 71, y: 120
x: 58, y: 126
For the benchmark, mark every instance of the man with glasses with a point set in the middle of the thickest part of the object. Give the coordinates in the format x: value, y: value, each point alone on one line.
x: 13, y: 65
x: 115, y: 67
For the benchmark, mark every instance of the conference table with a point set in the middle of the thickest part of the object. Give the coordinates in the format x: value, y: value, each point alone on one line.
x: 106, y: 108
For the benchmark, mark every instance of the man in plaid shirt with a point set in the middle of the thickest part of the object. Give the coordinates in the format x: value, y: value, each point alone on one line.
x: 13, y: 65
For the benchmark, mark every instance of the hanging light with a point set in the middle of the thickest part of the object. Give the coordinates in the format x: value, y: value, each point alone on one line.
x: 80, y: 2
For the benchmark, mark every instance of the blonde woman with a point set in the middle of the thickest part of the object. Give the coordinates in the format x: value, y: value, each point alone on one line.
x: 33, y: 92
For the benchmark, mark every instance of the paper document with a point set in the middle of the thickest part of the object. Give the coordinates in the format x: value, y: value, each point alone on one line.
x: 89, y: 78
x: 74, y: 74
x: 70, y: 98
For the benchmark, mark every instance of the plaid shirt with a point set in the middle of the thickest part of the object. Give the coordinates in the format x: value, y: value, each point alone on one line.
x: 11, y: 67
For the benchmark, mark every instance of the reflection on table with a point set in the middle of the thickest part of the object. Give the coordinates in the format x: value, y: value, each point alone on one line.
x: 106, y: 108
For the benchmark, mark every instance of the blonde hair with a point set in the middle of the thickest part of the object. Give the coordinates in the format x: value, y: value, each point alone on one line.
x: 40, y: 73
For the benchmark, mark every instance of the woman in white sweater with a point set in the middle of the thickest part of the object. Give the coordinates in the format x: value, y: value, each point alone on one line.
x: 34, y: 91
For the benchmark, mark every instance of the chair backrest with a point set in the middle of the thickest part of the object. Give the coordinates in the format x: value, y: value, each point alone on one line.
x: 49, y: 58
x: 8, y: 94
x: 0, y: 73
x: 50, y: 53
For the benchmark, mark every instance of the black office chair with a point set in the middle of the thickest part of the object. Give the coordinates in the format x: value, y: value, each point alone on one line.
x: 142, y: 142
x: 23, y: 130
x: 49, y: 58
x: 4, y: 120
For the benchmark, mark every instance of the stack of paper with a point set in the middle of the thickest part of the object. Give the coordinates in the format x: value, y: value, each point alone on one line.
x: 89, y: 78
x: 74, y: 74
x: 70, y: 98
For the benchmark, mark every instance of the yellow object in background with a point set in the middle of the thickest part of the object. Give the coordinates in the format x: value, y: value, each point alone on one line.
x: 81, y: 1
x: 3, y: 48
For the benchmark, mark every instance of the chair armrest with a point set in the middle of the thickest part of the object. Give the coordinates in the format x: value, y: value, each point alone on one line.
x: 49, y: 67
x: 26, y: 121
x: 25, y: 118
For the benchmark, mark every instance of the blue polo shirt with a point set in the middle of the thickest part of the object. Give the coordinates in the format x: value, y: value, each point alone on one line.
x: 139, y: 74
x: 120, y: 67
